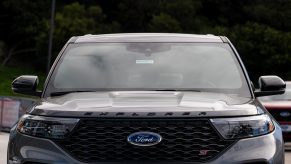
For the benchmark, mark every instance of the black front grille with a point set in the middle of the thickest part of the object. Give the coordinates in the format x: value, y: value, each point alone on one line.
x: 183, y: 140
x: 277, y: 115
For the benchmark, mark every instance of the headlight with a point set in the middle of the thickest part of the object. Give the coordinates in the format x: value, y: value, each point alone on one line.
x: 46, y: 127
x: 242, y: 127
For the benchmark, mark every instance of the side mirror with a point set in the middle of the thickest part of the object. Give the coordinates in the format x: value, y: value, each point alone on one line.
x: 270, y: 85
x: 27, y: 85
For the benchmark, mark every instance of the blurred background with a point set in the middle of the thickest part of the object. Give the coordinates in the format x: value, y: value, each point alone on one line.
x: 260, y: 29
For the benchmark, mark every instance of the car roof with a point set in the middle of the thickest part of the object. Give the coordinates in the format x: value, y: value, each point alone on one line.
x: 148, y: 37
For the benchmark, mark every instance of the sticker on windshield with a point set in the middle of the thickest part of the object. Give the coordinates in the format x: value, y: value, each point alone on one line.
x: 144, y: 62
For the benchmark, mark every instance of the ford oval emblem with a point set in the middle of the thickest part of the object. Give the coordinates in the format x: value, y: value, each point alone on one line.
x: 285, y: 114
x: 144, y: 138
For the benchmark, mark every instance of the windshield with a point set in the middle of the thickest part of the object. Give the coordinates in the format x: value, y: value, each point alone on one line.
x: 209, y: 67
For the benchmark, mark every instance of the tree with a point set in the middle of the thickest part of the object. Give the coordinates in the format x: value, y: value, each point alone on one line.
x: 2, y: 46
x: 260, y: 29
x: 22, y: 25
x: 75, y: 20
x: 276, y: 14
x: 186, y: 13
x: 264, y: 49
x: 164, y: 23
x: 135, y: 15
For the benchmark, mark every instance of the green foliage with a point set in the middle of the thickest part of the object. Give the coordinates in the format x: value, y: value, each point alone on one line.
x: 276, y: 14
x: 8, y: 74
x: 23, y: 24
x: 76, y: 19
x: 25, y: 17
x: 265, y: 49
x: 135, y: 15
x: 260, y: 29
x: 186, y: 14
x: 164, y: 23
x: 2, y: 46
x: 72, y: 20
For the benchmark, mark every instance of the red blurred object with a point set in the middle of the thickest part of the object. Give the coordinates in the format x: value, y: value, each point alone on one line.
x: 280, y: 108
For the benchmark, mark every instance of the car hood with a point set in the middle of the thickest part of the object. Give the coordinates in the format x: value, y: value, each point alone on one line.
x: 146, y: 103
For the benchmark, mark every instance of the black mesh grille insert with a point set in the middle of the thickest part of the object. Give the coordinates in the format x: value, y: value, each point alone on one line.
x: 106, y: 141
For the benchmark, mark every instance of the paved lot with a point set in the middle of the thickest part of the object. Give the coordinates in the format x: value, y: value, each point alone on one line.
x: 288, y: 153
x: 3, y: 147
x: 4, y: 140
x: 288, y: 157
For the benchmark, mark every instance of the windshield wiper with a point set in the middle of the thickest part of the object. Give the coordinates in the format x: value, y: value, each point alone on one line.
x: 170, y: 90
x: 177, y: 90
x: 66, y: 92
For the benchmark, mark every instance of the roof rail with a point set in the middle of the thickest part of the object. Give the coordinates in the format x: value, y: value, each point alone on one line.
x: 224, y: 39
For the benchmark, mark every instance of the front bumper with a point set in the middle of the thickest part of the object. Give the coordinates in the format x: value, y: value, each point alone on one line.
x: 267, y: 149
x: 286, y: 129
